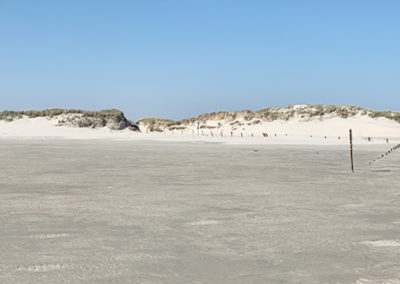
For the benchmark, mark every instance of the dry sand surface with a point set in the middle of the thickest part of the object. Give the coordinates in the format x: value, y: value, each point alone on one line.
x: 101, y: 211
x: 333, y: 131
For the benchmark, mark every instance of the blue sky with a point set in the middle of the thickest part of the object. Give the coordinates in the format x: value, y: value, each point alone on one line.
x: 178, y: 59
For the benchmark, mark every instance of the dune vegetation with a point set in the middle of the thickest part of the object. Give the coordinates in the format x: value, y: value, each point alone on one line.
x: 112, y: 118
x: 239, y: 118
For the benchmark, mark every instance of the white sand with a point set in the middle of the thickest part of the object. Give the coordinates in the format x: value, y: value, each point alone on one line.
x: 294, y: 131
x: 382, y: 243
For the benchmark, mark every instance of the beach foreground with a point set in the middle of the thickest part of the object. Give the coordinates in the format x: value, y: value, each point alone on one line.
x: 103, y: 211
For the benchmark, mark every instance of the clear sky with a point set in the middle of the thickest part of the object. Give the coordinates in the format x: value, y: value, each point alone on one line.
x: 178, y: 59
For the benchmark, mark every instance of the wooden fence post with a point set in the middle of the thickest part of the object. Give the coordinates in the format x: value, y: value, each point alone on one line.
x: 351, y: 150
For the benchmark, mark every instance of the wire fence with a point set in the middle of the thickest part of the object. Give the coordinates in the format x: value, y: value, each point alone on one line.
x: 387, y: 153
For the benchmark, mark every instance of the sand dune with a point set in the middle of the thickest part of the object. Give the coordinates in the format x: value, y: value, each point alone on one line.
x: 289, y: 125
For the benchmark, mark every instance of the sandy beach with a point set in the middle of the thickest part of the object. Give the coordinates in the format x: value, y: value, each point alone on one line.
x: 107, y: 211
x: 199, y: 142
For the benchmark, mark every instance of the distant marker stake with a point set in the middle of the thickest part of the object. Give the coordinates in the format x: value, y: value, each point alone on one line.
x: 351, y: 150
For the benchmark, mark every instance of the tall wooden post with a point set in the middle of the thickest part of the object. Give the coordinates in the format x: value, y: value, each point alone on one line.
x: 351, y: 150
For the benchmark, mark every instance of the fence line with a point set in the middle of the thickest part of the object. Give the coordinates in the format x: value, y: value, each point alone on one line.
x: 387, y: 153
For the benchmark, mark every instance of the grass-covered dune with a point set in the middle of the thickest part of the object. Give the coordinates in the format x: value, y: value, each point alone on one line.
x: 295, y: 111
x: 291, y: 112
x: 113, y: 118
x: 155, y: 124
